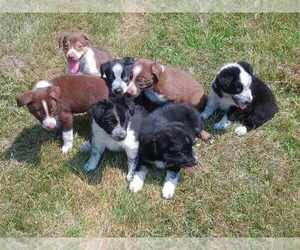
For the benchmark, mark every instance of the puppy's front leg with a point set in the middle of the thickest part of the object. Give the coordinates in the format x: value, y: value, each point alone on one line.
x: 223, y: 124
x: 97, y: 149
x: 67, y: 134
x: 170, y: 184
x: 132, y: 163
x: 132, y: 156
x: 138, y: 179
x: 210, y: 107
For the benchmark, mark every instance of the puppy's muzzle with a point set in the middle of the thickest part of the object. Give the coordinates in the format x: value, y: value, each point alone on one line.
x: 119, y: 134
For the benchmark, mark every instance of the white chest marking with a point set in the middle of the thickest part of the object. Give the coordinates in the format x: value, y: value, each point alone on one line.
x: 89, y: 63
x: 42, y: 84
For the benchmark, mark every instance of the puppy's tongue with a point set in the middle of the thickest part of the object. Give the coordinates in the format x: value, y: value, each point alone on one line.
x: 73, y: 66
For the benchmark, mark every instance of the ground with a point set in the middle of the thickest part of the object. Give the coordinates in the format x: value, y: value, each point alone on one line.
x: 243, y: 187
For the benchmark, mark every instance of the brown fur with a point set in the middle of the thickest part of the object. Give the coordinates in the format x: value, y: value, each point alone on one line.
x: 80, y: 41
x: 174, y: 84
x: 68, y: 95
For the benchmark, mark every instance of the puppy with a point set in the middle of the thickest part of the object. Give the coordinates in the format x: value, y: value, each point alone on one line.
x: 164, y: 83
x: 243, y: 97
x: 161, y: 84
x: 166, y: 138
x: 118, y: 76
x: 80, y: 56
x: 54, y: 102
x: 115, y: 126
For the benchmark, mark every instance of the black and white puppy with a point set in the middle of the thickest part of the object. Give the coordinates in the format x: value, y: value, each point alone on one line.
x: 243, y: 97
x: 115, y: 126
x: 118, y: 76
x: 166, y: 139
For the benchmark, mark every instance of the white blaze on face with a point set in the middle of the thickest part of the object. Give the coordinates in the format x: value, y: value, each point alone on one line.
x: 132, y: 89
x: 74, y: 53
x: 42, y: 84
x: 118, y: 82
x: 49, y: 122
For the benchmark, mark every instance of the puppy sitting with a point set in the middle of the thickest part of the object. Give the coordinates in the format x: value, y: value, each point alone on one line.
x: 167, y: 138
x: 54, y: 102
x: 118, y: 76
x: 115, y: 126
x: 243, y: 97
x: 80, y: 56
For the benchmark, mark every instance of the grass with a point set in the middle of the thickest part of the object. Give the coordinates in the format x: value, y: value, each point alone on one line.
x: 245, y: 187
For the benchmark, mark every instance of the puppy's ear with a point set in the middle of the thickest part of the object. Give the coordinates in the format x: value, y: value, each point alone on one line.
x: 86, y: 37
x: 104, y: 69
x: 246, y: 67
x: 24, y: 99
x: 156, y: 69
x: 97, y: 110
x: 217, y: 88
x: 128, y: 60
x: 61, y: 38
x: 54, y: 92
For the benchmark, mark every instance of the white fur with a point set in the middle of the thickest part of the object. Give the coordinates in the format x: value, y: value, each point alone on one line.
x: 88, y: 62
x: 73, y: 51
x: 67, y: 140
x: 137, y: 182
x: 101, y: 140
x: 42, y: 84
x: 241, y: 130
x: 170, y: 184
x: 162, y: 68
x: 49, y: 122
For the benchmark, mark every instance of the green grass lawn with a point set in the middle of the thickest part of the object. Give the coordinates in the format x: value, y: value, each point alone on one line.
x: 244, y: 187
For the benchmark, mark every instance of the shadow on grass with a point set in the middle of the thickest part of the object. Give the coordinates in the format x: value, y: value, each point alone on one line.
x: 109, y: 159
x: 28, y: 143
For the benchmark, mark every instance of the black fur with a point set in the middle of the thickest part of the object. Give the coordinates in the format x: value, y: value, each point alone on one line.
x: 168, y: 134
x: 109, y: 76
x: 118, y: 110
x: 262, y: 108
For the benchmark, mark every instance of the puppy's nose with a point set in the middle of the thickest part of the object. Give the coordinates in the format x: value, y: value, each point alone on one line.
x: 118, y: 91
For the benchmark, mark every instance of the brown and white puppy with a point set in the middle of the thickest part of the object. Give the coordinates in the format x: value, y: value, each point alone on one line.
x: 160, y: 84
x: 80, y: 56
x: 54, y: 102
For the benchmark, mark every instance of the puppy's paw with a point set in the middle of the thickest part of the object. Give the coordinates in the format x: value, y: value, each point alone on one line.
x: 66, y: 148
x: 89, y: 167
x: 168, y: 190
x: 241, y: 130
x: 129, y: 177
x: 222, y: 125
x: 136, y: 184
x: 85, y: 147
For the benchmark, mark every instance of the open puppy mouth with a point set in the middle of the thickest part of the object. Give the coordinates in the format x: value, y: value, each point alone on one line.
x: 73, y: 65
x: 239, y: 104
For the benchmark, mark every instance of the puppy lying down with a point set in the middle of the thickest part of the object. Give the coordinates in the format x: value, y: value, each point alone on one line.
x: 166, y: 139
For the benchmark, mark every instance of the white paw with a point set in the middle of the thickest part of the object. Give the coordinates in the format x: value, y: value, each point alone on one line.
x: 129, y: 176
x: 66, y: 148
x: 203, y: 115
x: 136, y: 184
x: 241, y: 130
x: 89, y: 167
x: 85, y: 147
x: 168, y: 190
x: 222, y: 125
